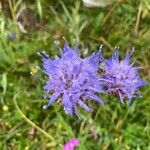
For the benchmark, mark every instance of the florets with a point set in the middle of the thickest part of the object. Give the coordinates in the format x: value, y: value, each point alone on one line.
x: 71, y: 79
x: 120, y: 77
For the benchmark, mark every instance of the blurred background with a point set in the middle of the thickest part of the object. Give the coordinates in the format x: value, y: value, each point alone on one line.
x: 31, y: 26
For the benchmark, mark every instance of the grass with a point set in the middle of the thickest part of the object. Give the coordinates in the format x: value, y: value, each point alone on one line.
x: 125, y: 23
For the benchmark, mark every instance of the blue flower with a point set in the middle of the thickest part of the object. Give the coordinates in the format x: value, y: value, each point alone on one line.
x: 120, y: 77
x: 72, y: 80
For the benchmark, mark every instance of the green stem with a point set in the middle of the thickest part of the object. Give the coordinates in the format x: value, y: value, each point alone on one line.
x: 97, y: 113
x: 12, y: 10
x: 30, y: 122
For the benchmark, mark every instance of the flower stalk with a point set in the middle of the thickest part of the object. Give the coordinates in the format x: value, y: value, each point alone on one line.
x: 30, y: 122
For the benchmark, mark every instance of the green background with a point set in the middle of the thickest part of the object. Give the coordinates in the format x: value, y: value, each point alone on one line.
x: 31, y: 26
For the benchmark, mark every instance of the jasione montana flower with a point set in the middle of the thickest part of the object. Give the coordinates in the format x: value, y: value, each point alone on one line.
x: 120, y: 77
x: 71, y: 79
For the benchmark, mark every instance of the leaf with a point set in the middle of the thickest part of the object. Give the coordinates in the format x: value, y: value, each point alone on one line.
x: 4, y: 83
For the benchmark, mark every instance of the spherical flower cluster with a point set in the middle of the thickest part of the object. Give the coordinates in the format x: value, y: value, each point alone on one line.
x: 72, y: 80
x: 120, y: 77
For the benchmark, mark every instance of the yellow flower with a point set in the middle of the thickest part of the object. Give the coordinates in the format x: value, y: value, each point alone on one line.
x: 5, y: 108
x: 26, y: 148
x: 33, y: 70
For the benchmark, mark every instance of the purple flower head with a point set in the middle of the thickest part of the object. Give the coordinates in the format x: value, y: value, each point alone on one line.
x: 120, y: 77
x: 71, y: 79
x: 71, y: 144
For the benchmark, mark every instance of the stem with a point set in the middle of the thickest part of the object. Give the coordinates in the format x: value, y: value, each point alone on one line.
x: 109, y: 14
x: 138, y: 19
x: 12, y: 10
x: 97, y: 113
x: 30, y: 122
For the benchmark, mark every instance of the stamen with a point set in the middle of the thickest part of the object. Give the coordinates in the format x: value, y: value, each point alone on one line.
x: 117, y: 48
x: 38, y: 68
x: 45, y: 106
x: 43, y: 54
x: 132, y: 51
x: 60, y: 49
x: 100, y: 48
x: 76, y: 44
x: 39, y: 54
x: 66, y: 42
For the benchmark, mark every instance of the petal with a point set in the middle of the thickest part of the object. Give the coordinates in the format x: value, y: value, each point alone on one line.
x: 91, y: 62
x: 50, y: 66
x: 67, y: 104
x: 96, y: 98
x: 141, y: 83
x: 54, y: 84
x: 67, y: 48
x: 121, y: 97
x: 126, y: 60
x: 75, y: 141
x: 83, y: 105
x: 66, y: 146
x: 115, y: 56
x: 52, y: 99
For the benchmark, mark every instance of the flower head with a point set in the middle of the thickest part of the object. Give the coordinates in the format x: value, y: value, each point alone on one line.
x: 71, y: 79
x: 71, y: 144
x: 120, y: 77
